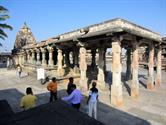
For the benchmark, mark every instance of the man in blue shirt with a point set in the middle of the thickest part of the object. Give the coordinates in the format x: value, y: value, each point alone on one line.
x: 74, y: 98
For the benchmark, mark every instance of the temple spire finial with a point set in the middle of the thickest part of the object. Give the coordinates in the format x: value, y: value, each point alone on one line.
x: 25, y: 26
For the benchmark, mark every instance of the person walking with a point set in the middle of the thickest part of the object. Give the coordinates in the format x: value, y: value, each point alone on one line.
x: 92, y: 101
x: 69, y: 90
x: 19, y: 70
x: 28, y: 101
x: 52, y: 87
x: 74, y: 98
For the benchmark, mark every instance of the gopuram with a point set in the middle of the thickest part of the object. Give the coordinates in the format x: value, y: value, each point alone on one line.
x: 67, y: 54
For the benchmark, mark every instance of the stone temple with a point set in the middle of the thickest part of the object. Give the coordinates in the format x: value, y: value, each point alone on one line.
x: 82, y: 53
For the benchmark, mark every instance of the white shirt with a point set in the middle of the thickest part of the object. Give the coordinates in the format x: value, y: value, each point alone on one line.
x: 93, y: 97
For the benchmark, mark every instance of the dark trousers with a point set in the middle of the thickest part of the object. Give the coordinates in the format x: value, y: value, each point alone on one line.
x: 76, y: 106
x: 53, y: 96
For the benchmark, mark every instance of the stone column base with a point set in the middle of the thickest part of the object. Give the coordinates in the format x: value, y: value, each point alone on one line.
x: 38, y: 63
x: 76, y: 70
x: 158, y: 82
x: 134, y: 92
x: 60, y: 72
x: 44, y: 65
x: 150, y: 85
x: 83, y: 84
x: 116, y: 95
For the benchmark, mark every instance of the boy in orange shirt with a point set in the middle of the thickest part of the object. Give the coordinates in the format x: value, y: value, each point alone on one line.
x: 52, y: 87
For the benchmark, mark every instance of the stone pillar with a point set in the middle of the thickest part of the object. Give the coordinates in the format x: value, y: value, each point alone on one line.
x: 83, y: 68
x: 93, y: 64
x: 24, y: 54
x: 22, y: 59
x: 158, y: 77
x: 33, y: 57
x: 104, y: 59
x: 67, y: 60
x: 28, y: 57
x: 60, y: 58
x: 43, y: 57
x: 150, y: 82
x: 128, y: 64
x: 50, y: 61
x: 38, y: 57
x: 16, y: 59
x: 100, y: 76
x: 135, y: 65
x: 25, y: 57
x: 75, y: 53
x: 116, y: 87
x: 19, y: 58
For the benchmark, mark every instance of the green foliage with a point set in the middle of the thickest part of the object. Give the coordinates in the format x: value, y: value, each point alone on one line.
x: 3, y: 16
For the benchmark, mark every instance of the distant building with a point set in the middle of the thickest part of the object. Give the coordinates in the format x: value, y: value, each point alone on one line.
x: 5, y: 58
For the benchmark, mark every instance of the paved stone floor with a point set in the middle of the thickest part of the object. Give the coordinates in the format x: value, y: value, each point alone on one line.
x: 148, y: 109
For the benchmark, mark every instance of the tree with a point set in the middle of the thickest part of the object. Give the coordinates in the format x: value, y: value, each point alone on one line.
x: 3, y: 16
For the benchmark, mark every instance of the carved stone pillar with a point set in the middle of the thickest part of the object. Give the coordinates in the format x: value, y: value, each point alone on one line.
x: 100, y: 76
x: 83, y: 68
x: 43, y: 57
x: 128, y: 63
x: 150, y: 82
x: 28, y: 56
x: 75, y: 53
x: 19, y: 58
x: 104, y: 59
x: 67, y: 60
x: 33, y: 57
x: 50, y: 61
x: 22, y: 56
x: 116, y: 87
x: 93, y: 64
x: 135, y: 64
x: 16, y: 59
x: 22, y: 59
x: 38, y: 57
x: 158, y: 79
x: 25, y: 57
x: 60, y: 58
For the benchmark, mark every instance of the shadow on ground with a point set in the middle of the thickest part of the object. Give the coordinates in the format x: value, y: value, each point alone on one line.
x: 59, y: 113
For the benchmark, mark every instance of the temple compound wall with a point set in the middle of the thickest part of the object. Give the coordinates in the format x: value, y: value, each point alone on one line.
x: 67, y: 54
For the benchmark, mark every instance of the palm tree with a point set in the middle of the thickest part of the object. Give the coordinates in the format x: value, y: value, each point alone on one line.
x: 3, y: 17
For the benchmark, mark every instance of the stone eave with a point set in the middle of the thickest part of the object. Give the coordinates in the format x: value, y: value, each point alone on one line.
x: 164, y: 39
x: 67, y: 39
x: 108, y: 27
x: 111, y: 26
x: 103, y: 32
x: 30, y: 46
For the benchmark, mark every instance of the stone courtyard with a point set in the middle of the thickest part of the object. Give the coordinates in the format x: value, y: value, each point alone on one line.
x: 148, y: 109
